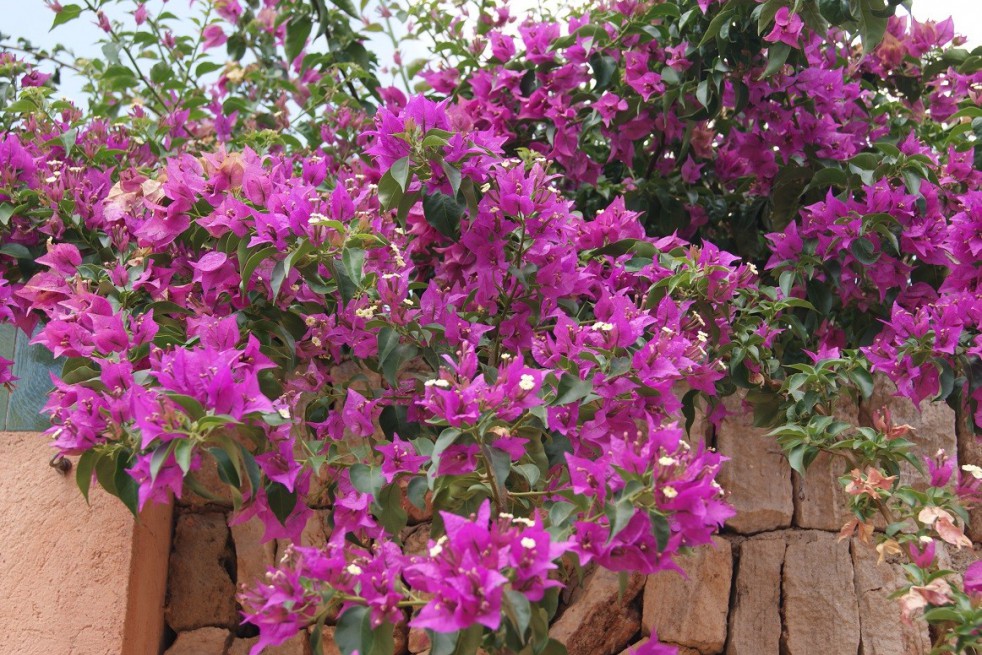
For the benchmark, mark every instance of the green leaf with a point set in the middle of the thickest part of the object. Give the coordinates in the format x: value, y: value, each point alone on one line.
x: 353, y: 260
x: 390, y: 511
x: 453, y: 176
x: 715, y: 25
x: 604, y: 67
x: 400, y: 172
x: 227, y: 471
x: 127, y: 489
x: 354, y: 631
x: 416, y: 492
x: 16, y: 250
x: 281, y: 500
x: 366, y: 479
x: 872, y: 23
x: 388, y: 339
x: 160, y: 72
x: 798, y: 458
x: 159, y: 457
x: 390, y: 192
x: 777, y: 56
x: 443, y: 213
x: 346, y: 6
x: 835, y: 12
x: 619, y: 514
x: 65, y: 14
x: 518, y: 610
x: 6, y: 211
x: 662, y: 530
x: 83, y: 471
x: 572, y: 389
x: 252, y: 261
x: 189, y: 404
x: 182, y: 454
x: 296, y: 36
x: 864, y: 251
x: 863, y: 381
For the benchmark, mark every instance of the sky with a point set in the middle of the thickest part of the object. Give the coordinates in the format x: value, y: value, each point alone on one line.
x: 31, y: 19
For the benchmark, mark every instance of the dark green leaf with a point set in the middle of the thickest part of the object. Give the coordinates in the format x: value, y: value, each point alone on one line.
x: 354, y: 631
x: 572, y: 389
x: 281, y: 500
x: 83, y: 471
x: 296, y: 36
x: 864, y: 251
x: 443, y: 213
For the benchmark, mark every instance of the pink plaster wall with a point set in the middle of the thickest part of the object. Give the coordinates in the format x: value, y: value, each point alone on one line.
x: 75, y: 579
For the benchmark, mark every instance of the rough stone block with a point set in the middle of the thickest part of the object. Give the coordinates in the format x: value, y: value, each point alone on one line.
x: 252, y: 557
x: 821, y: 614
x: 200, y: 592
x: 821, y: 502
x: 601, y: 621
x: 933, y: 423
x: 692, y: 612
x: 297, y: 645
x: 755, y: 618
x: 76, y: 578
x: 203, y: 641
x: 881, y: 630
x: 757, y: 477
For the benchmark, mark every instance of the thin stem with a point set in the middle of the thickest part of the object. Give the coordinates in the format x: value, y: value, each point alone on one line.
x: 41, y: 55
x: 129, y: 55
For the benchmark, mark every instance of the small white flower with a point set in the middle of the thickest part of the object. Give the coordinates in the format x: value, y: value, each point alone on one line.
x: 667, y: 461
x: 443, y: 384
x: 354, y: 569
x: 925, y: 539
x: 603, y: 327
x: 527, y: 383
x: 670, y: 492
x: 528, y: 542
x: 752, y: 269
x: 973, y: 470
x: 435, y: 550
x: 284, y: 412
x: 523, y: 521
x: 702, y: 336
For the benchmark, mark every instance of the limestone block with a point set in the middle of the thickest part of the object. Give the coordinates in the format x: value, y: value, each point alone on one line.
x: 252, y: 557
x: 76, y: 578
x: 755, y: 618
x: 203, y: 641
x: 757, y: 477
x: 200, y: 592
x: 881, y: 630
x: 419, y: 641
x: 692, y: 612
x: 933, y: 423
x: 601, y: 621
x: 822, y: 502
x: 821, y: 614
x: 297, y: 645
x: 970, y: 452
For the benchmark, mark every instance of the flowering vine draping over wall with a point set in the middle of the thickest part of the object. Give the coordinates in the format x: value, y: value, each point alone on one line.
x: 504, y: 296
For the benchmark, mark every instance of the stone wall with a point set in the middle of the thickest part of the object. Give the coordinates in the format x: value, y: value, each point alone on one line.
x: 777, y: 580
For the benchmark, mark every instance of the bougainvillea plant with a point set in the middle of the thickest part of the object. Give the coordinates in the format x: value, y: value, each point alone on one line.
x: 503, y: 288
